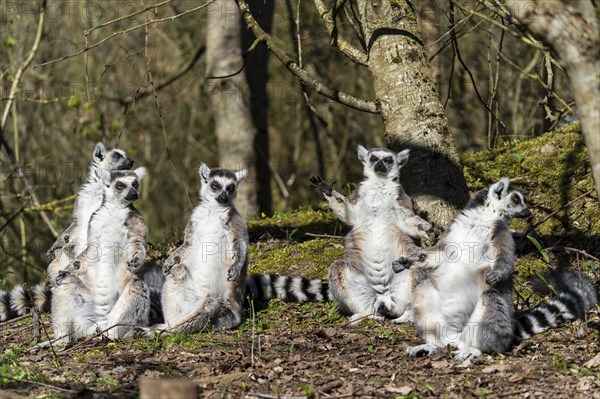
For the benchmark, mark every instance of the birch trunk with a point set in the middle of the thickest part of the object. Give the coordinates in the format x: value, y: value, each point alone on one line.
x: 413, y: 114
x: 570, y: 28
x: 229, y: 98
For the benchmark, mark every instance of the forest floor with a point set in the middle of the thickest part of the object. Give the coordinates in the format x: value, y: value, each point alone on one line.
x: 310, y: 351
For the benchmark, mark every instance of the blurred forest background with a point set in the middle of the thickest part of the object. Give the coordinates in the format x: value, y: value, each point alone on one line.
x: 501, y: 88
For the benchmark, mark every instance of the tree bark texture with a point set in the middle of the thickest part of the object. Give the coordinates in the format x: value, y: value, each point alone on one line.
x: 228, y: 89
x: 570, y: 28
x: 412, y: 111
x: 257, y: 75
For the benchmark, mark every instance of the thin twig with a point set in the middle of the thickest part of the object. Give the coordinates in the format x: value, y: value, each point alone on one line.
x: 41, y: 384
x: 123, y: 32
x: 13, y: 91
x: 162, y: 122
x: 571, y: 249
x: 133, y: 14
x: 301, y: 73
x: 466, y: 68
x: 535, y: 226
x: 322, y: 235
x: 16, y: 319
x: 355, y: 55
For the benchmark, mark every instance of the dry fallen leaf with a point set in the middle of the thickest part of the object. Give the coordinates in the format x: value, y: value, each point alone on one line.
x: 593, y: 362
x: 404, y: 390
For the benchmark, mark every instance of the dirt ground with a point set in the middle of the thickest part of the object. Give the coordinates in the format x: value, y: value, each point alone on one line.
x: 304, y: 351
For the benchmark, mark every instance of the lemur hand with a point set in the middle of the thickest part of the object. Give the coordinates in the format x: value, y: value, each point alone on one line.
x: 493, y: 277
x: 321, y: 185
x: 137, y: 259
x: 171, y: 262
x: 233, y: 273
x: 50, y: 253
x: 401, y: 264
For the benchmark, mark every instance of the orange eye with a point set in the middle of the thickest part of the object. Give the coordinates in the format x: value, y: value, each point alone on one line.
x: 120, y: 186
x: 516, y: 199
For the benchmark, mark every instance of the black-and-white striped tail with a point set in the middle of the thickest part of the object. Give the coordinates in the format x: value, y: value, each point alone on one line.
x: 20, y: 300
x: 575, y: 295
x: 263, y: 287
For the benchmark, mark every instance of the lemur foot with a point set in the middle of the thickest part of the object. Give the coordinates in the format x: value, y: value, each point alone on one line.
x: 425, y: 349
x: 467, y: 353
x: 321, y: 185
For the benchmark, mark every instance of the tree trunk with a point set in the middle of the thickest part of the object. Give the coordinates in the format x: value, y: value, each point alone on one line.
x: 413, y: 114
x: 257, y: 75
x: 228, y: 91
x: 570, y: 28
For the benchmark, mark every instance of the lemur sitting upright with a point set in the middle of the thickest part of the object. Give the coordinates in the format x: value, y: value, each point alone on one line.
x: 382, y: 223
x: 110, y: 269
x: 205, y: 278
x: 463, y: 292
x: 72, y: 241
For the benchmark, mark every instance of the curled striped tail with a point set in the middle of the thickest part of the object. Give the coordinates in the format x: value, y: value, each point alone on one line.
x: 574, y: 293
x: 263, y: 287
x: 20, y: 300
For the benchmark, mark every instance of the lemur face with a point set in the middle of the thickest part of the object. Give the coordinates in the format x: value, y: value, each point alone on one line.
x: 122, y: 187
x: 382, y: 162
x: 220, y: 185
x: 508, y: 201
x: 111, y: 158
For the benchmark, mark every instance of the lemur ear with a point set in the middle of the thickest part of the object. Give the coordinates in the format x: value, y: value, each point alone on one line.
x: 204, y: 172
x: 362, y: 153
x: 140, y: 172
x: 499, y: 189
x: 402, y: 157
x: 99, y: 152
x: 104, y: 176
x: 241, y: 174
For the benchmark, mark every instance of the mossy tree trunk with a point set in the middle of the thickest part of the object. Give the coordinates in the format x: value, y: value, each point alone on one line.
x: 571, y: 29
x: 228, y: 91
x: 410, y: 106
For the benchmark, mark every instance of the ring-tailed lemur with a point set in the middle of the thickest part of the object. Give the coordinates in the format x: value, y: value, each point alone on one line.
x: 205, y: 278
x: 110, y: 268
x: 463, y: 292
x: 382, y: 223
x: 72, y: 241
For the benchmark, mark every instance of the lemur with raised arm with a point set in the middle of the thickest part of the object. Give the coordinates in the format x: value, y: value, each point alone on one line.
x: 72, y: 241
x: 110, y: 269
x: 383, y: 227
x: 463, y: 288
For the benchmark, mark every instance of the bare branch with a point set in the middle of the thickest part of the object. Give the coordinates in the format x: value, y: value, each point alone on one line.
x: 125, y: 31
x: 300, y: 73
x: 11, y: 98
x: 354, y: 54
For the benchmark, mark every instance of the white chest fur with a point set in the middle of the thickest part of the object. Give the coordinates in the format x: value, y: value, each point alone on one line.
x: 107, y: 240
x: 89, y: 201
x: 210, y: 252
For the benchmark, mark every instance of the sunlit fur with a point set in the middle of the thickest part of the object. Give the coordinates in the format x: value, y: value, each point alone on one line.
x: 382, y: 223
x: 206, y: 276
x: 463, y: 293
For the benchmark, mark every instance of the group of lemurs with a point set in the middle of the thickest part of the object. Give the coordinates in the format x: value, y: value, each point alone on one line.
x: 458, y: 292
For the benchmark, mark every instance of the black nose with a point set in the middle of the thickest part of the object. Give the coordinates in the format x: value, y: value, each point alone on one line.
x: 380, y: 167
x: 132, y: 195
x: 127, y: 164
x: 525, y: 213
x: 223, y: 198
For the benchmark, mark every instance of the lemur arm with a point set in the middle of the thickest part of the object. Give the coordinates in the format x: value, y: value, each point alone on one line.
x: 343, y: 207
x: 137, y: 232
x: 419, y: 258
x: 417, y: 226
x: 65, y: 238
x: 504, y: 262
x: 179, y: 253
x: 238, y: 244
